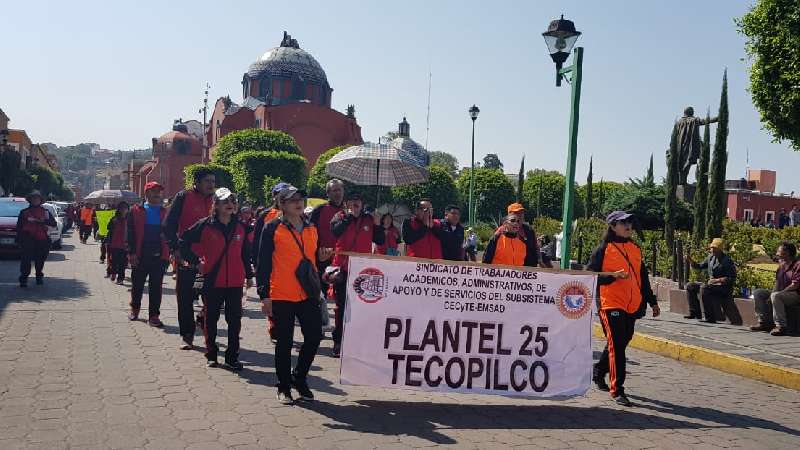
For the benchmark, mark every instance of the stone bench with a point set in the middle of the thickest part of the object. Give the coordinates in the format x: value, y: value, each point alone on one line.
x: 679, y: 303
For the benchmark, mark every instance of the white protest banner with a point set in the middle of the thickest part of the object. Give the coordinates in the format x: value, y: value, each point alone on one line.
x: 482, y: 329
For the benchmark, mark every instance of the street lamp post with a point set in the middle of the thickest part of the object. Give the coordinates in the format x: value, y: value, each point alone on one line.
x: 473, y: 114
x: 560, y: 37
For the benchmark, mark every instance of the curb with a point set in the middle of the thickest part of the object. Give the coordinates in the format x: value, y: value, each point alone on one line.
x: 725, y: 362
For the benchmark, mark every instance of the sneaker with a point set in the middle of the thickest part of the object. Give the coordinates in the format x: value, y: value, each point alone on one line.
x: 235, y: 366
x: 134, y: 314
x: 110, y: 276
x: 622, y: 400
x: 39, y: 281
x: 187, y: 342
x: 692, y: 316
x: 708, y: 321
x: 601, y: 384
x: 212, y: 363
x: 154, y: 321
x: 337, y: 350
x: 285, y: 396
x: 119, y: 281
x: 302, y: 388
x: 762, y: 327
x: 779, y: 331
x: 102, y: 261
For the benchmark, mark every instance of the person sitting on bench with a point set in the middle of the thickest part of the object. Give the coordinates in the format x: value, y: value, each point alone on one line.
x: 771, y: 306
x: 717, y: 291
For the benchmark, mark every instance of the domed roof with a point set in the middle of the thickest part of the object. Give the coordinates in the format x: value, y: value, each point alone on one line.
x: 289, y: 61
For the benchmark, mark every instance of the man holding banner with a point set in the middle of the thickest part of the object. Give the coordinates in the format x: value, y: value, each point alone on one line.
x: 624, y: 295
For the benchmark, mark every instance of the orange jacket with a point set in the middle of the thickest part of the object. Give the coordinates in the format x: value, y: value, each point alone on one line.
x: 616, y: 293
x: 279, y: 257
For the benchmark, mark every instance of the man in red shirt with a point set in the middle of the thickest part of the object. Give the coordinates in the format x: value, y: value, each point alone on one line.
x: 188, y: 207
x: 32, y: 224
x: 771, y: 306
x: 422, y: 233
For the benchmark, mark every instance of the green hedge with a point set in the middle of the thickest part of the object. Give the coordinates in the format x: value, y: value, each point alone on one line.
x: 252, y: 139
x: 249, y: 169
x: 224, y: 177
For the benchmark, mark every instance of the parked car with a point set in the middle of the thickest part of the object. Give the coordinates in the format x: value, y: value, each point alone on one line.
x: 54, y: 233
x: 62, y: 212
x: 9, y: 212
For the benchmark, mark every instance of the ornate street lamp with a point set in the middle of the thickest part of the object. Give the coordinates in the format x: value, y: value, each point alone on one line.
x: 560, y: 37
x: 473, y: 114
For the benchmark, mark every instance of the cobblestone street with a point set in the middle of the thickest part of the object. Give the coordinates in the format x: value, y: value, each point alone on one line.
x: 75, y: 373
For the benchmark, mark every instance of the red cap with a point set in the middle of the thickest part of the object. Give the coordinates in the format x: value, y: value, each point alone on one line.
x: 153, y: 185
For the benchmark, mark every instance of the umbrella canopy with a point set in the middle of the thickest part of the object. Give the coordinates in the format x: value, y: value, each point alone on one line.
x: 398, y: 163
x: 111, y: 197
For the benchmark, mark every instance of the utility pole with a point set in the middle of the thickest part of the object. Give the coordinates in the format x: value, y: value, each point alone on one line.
x: 204, y: 110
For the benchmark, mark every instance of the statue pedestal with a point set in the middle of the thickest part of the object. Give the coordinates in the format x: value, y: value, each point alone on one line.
x: 685, y: 192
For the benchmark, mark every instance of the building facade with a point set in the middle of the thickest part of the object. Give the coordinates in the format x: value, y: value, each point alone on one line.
x: 171, y: 153
x: 286, y: 89
x: 754, y: 197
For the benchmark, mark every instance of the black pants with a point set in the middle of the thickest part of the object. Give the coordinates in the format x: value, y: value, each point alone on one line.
x: 284, y: 313
x: 618, y: 327
x: 86, y: 231
x: 213, y: 301
x: 119, y: 262
x: 103, y: 249
x: 151, y: 268
x: 33, y: 251
x: 185, y: 293
x: 340, y: 297
x: 716, y: 299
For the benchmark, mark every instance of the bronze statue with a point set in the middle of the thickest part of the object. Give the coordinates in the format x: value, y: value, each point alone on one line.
x: 689, y: 141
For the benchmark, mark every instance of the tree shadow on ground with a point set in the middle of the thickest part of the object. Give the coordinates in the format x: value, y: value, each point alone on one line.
x: 423, y: 420
x: 54, y: 289
x: 712, y: 415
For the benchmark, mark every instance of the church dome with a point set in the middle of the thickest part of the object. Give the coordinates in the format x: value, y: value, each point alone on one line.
x: 287, y: 74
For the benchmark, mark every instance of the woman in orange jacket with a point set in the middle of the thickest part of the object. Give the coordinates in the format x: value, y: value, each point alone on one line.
x: 623, y: 298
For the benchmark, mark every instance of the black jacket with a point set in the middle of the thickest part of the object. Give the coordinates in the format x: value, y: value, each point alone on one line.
x: 452, y: 242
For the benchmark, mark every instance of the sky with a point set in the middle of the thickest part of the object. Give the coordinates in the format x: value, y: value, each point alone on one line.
x: 118, y: 73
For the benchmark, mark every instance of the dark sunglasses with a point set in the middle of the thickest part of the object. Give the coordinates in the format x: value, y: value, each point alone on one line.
x: 512, y: 220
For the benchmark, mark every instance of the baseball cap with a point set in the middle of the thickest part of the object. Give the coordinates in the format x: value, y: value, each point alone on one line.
x: 279, y: 187
x: 287, y: 192
x: 515, y: 208
x: 223, y: 194
x: 617, y: 216
x: 153, y: 185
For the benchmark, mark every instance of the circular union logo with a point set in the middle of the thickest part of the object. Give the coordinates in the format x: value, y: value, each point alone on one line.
x: 574, y: 299
x: 370, y: 285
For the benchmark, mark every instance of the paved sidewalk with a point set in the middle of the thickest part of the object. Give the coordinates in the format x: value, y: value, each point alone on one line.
x: 74, y: 373
x: 736, y: 340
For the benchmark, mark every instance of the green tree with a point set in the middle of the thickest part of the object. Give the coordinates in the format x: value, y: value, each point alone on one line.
x: 589, y: 192
x: 269, y: 183
x: 222, y: 175
x: 493, y: 192
x: 545, y: 189
x: 671, y: 186
x: 445, y: 160
x: 647, y: 204
x: 249, y: 169
x: 648, y: 180
x: 253, y: 139
x: 24, y: 183
x: 492, y: 161
x: 9, y: 169
x: 715, y: 209
x: 773, y: 46
x: 440, y: 189
x: 601, y: 199
x: 46, y: 180
x: 701, y: 193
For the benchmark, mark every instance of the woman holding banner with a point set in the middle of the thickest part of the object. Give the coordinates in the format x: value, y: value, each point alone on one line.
x: 624, y: 294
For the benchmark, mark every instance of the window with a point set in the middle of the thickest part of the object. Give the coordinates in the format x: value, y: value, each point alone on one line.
x: 748, y: 214
x: 769, y: 216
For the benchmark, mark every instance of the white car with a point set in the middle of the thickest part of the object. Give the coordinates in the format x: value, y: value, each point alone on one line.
x: 54, y: 233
